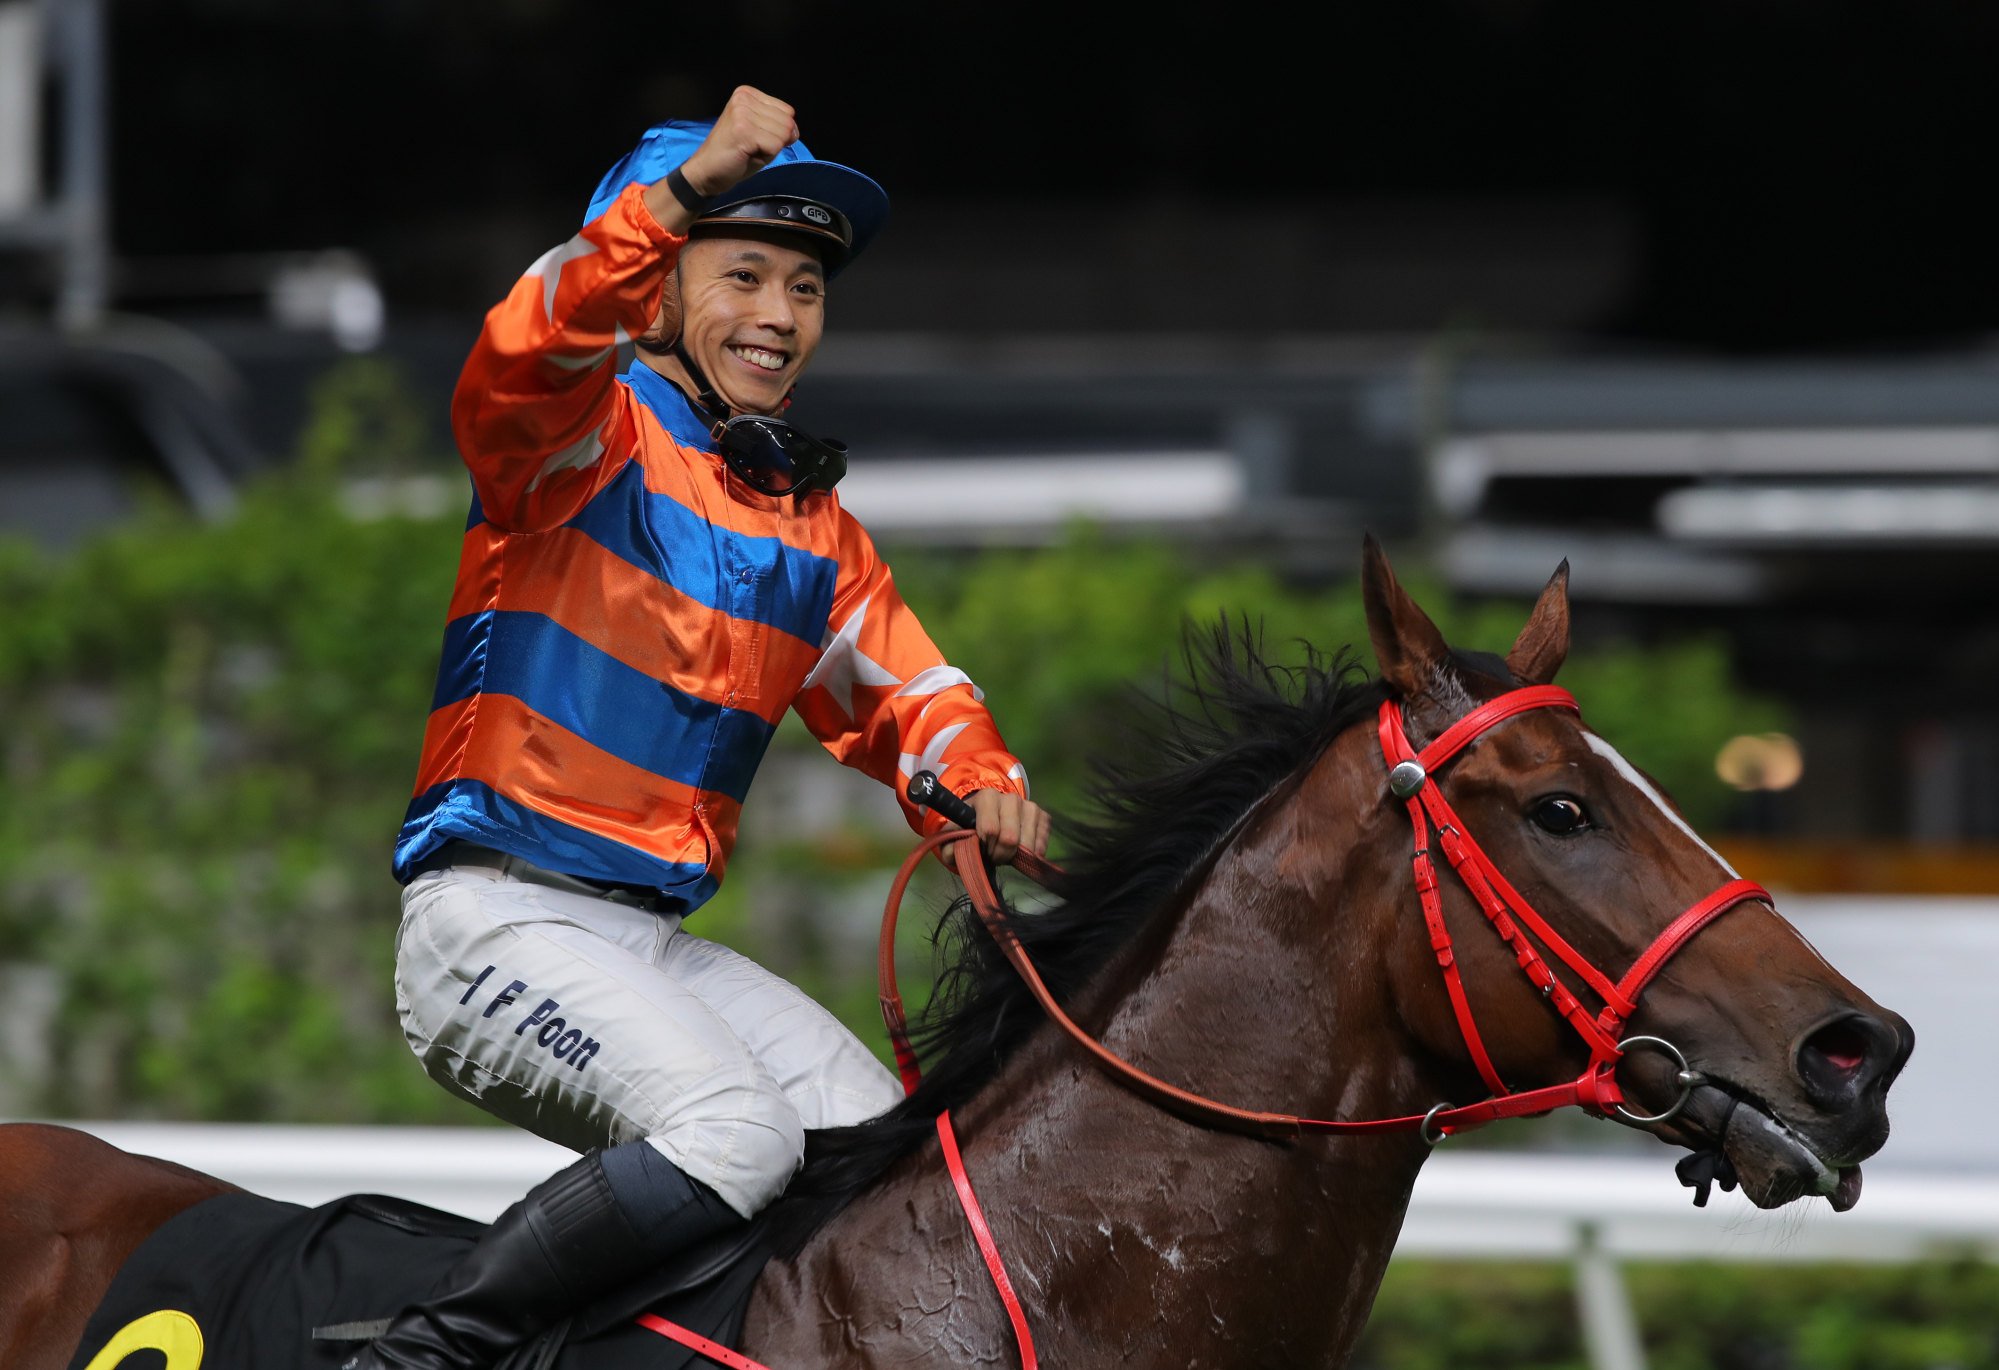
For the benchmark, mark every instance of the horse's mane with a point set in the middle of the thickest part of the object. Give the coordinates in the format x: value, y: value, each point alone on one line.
x: 1225, y: 732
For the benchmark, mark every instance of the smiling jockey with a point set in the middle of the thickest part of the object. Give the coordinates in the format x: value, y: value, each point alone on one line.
x: 652, y: 574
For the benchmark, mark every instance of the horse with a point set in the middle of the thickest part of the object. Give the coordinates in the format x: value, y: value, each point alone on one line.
x: 1243, y: 921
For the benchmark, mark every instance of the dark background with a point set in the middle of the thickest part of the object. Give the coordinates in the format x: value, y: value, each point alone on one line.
x: 1736, y: 175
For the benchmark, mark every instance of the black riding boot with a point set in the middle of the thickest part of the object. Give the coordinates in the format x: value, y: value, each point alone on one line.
x: 570, y: 1240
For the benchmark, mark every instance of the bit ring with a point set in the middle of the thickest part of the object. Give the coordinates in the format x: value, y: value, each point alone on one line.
x: 1687, y: 1078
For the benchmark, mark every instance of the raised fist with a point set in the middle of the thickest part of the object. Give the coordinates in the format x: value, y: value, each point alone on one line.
x: 752, y: 128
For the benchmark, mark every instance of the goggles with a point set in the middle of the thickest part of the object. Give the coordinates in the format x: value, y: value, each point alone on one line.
x: 777, y: 459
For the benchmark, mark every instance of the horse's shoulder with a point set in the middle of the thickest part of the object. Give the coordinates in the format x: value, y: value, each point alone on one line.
x: 73, y: 1210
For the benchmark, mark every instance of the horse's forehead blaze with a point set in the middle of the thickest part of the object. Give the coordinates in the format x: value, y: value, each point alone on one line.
x: 1574, y: 745
x: 1633, y: 777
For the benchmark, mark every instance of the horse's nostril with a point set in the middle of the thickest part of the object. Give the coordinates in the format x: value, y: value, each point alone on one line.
x: 1847, y: 1055
x: 1841, y: 1044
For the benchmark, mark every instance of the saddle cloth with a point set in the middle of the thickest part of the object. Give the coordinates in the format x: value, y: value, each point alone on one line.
x: 240, y: 1282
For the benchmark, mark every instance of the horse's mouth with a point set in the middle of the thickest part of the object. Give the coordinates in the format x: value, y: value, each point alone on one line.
x: 1772, y: 1160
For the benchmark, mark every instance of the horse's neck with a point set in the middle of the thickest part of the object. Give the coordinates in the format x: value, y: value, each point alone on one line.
x: 1133, y: 1236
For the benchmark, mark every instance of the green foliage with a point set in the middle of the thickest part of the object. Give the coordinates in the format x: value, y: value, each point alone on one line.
x: 211, y: 733
x: 210, y: 737
x: 1432, y: 1316
x: 1929, y: 1316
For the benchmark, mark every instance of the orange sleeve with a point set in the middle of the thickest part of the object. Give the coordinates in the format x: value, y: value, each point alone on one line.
x: 883, y: 699
x: 538, y: 415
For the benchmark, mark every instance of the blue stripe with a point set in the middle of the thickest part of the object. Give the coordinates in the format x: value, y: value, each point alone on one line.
x: 627, y: 713
x: 670, y: 405
x: 760, y: 579
x: 467, y: 641
x: 467, y: 811
x: 763, y: 580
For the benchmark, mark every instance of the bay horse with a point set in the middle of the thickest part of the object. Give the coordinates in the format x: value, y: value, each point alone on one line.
x: 1243, y: 922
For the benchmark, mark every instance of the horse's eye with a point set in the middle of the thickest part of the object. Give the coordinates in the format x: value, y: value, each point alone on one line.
x: 1559, y: 815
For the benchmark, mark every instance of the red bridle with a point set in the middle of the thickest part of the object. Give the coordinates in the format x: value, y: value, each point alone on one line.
x: 1596, y: 1089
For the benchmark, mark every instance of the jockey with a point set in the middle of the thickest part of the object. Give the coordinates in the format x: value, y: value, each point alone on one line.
x: 655, y: 569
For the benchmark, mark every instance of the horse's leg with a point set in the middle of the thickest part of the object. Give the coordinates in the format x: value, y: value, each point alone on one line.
x: 72, y: 1208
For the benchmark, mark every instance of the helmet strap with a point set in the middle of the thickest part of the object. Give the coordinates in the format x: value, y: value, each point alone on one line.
x: 704, y: 393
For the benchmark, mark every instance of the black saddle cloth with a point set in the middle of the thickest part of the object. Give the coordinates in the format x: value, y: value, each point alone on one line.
x: 259, y: 1278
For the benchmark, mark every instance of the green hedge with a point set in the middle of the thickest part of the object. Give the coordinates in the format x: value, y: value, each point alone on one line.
x: 1939, y: 1315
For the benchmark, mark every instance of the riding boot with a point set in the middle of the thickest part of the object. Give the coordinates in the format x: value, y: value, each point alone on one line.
x: 573, y: 1237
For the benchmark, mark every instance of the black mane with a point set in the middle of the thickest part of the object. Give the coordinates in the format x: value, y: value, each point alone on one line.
x: 1230, y: 729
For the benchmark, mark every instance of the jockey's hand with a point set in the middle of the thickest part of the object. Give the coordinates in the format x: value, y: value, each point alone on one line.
x: 1007, y: 824
x: 752, y: 128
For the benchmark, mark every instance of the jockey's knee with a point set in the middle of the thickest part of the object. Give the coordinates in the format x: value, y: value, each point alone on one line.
x: 744, y: 1140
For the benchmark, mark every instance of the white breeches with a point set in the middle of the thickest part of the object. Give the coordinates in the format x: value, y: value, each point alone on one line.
x: 592, y: 1023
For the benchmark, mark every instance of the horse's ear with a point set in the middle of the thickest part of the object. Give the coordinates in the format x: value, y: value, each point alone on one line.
x: 1544, y: 643
x: 1406, y: 642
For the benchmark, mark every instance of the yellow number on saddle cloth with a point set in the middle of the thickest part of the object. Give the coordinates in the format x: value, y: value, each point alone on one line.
x: 168, y: 1331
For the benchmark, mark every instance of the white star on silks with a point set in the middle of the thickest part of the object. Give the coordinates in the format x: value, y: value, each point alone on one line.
x: 842, y: 665
x: 932, y: 759
x: 549, y: 266
x: 580, y: 454
x: 590, y: 361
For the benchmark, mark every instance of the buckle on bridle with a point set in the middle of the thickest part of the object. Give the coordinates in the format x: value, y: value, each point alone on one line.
x: 1406, y: 779
x: 1429, y: 1120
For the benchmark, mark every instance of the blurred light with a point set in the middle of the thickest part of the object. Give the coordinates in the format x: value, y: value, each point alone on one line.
x: 1847, y: 513
x: 1737, y: 453
x: 1043, y: 491
x: 331, y: 292
x: 1641, y: 569
x: 20, y: 109
x: 1459, y: 476
x: 368, y: 498
x: 1760, y: 761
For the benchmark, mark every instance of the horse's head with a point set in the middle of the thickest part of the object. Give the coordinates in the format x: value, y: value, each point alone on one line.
x: 1791, y: 1062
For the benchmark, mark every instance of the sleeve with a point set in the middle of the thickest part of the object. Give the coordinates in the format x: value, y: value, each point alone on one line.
x: 538, y: 415
x: 883, y: 700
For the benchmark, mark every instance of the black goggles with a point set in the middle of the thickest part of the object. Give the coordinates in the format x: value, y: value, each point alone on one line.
x: 777, y: 459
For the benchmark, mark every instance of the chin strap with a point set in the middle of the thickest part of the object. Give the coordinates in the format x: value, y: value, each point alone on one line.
x: 705, y: 398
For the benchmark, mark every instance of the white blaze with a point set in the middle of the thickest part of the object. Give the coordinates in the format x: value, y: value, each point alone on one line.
x: 1644, y: 787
